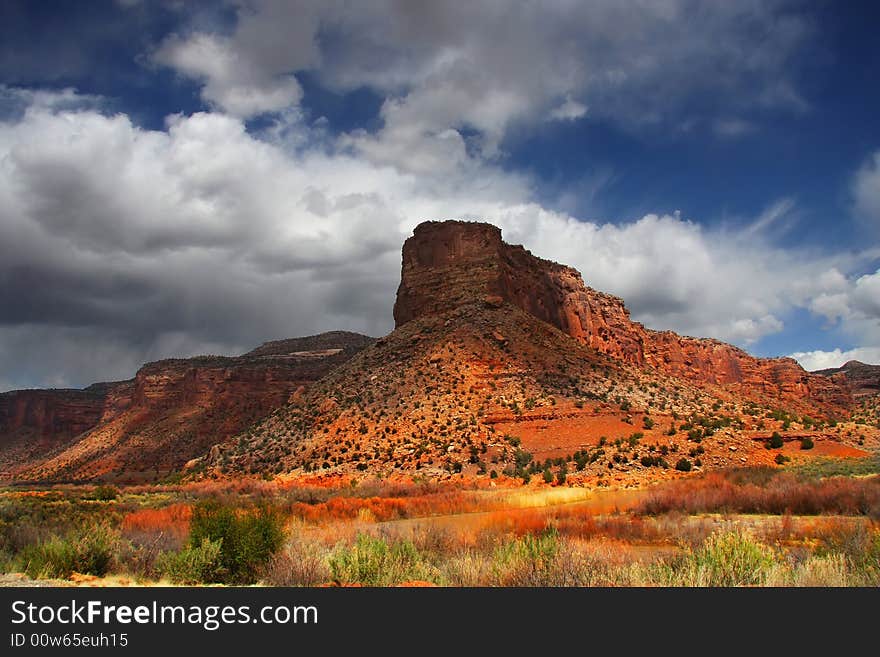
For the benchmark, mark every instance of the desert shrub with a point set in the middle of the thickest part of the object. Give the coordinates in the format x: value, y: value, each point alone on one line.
x: 527, y: 560
x: 832, y: 570
x: 195, y: 564
x: 683, y: 465
x: 300, y: 563
x: 561, y: 475
x: 548, y: 476
x: 88, y: 551
x: 775, y: 441
x: 371, y: 561
x: 467, y: 568
x: 105, y: 493
x: 781, y: 459
x: 248, y: 538
x: 858, y: 542
x: 806, y: 443
x: 544, y: 559
x: 733, y: 558
x: 765, y: 490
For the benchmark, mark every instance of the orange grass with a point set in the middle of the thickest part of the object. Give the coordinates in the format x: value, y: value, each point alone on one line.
x: 173, y: 519
x: 577, y: 523
x: 388, y: 508
x: 719, y: 492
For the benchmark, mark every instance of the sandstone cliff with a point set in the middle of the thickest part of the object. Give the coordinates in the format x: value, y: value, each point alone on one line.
x: 49, y: 415
x: 453, y: 263
x: 170, y: 412
x: 862, y: 379
x: 503, y: 364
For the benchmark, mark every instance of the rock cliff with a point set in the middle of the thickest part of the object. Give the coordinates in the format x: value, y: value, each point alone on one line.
x: 170, y: 412
x: 862, y: 379
x: 454, y: 263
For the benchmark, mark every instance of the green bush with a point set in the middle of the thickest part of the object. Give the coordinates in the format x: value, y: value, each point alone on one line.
x: 731, y: 559
x: 88, y: 551
x: 775, y: 441
x: 548, y: 476
x: 531, y: 560
x: 806, y: 443
x: 373, y: 562
x: 193, y: 565
x: 683, y: 465
x: 561, y: 475
x: 248, y: 539
x: 105, y: 493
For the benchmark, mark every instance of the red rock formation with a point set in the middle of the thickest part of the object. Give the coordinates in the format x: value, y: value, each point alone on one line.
x: 862, y: 379
x: 453, y: 263
x: 50, y: 415
x: 171, y: 412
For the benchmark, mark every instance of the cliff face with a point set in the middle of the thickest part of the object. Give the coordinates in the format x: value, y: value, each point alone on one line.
x: 453, y: 263
x: 862, y: 379
x: 49, y: 415
x: 170, y: 412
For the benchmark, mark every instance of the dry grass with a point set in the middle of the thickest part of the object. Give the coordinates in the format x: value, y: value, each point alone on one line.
x: 387, y: 508
x: 381, y: 533
x: 726, y: 492
x: 172, y: 520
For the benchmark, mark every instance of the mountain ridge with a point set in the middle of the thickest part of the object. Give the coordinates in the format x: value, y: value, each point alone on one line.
x: 171, y: 411
x: 500, y: 359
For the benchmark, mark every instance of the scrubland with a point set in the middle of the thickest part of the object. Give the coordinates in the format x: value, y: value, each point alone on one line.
x: 816, y: 525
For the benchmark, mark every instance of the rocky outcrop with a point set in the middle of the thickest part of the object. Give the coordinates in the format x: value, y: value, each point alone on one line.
x: 170, y: 412
x: 50, y: 416
x: 862, y: 379
x: 454, y: 263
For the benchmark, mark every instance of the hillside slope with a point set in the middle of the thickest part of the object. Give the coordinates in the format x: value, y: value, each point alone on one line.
x: 172, y: 411
x: 505, y: 362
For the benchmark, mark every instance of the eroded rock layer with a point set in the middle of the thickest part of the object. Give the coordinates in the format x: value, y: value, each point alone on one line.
x: 169, y: 413
x: 452, y: 263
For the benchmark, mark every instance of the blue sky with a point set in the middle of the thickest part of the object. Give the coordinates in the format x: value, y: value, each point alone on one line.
x: 181, y: 178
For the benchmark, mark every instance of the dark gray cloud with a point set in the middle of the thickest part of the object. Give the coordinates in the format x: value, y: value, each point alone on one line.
x: 488, y: 65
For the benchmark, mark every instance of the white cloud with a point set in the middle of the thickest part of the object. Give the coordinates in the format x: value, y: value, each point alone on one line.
x: 674, y: 274
x: 821, y: 360
x: 866, y: 189
x: 776, y: 218
x: 855, y: 302
x: 569, y: 110
x: 232, y: 82
x: 121, y: 244
x: 831, y: 306
x: 866, y: 295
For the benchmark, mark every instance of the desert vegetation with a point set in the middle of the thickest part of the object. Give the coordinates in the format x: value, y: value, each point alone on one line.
x: 791, y: 526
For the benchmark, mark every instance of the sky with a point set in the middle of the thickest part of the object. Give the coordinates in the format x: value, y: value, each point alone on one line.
x: 182, y: 178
